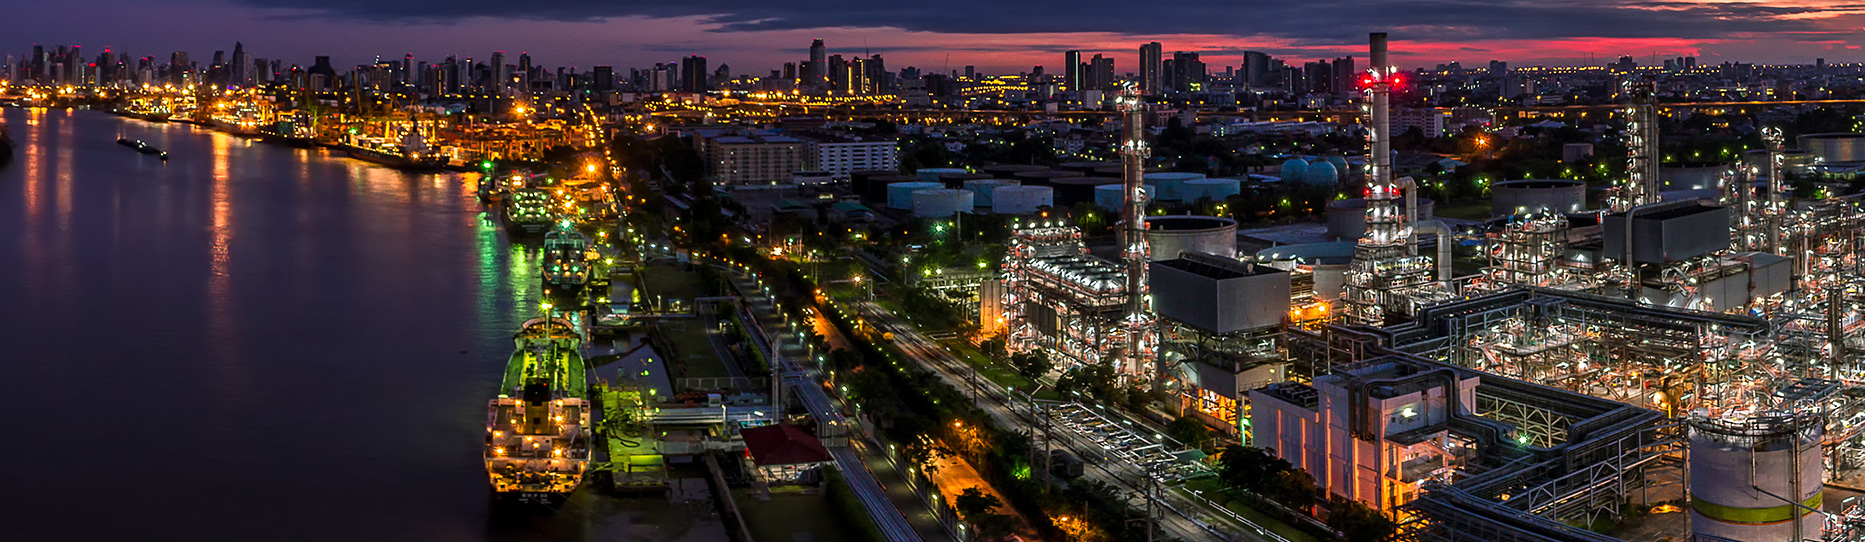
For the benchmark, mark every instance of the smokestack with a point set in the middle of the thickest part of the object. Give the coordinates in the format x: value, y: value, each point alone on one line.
x: 1133, y: 153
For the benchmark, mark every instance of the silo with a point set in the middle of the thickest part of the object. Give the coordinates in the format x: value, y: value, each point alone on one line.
x: 931, y: 174
x: 1021, y: 200
x: 1837, y: 147
x: 981, y: 189
x: 940, y: 202
x: 1112, y: 197
x: 1322, y: 173
x: 1042, y: 178
x: 1528, y: 196
x: 1073, y: 190
x: 1169, y: 184
x: 1214, y: 189
x: 900, y: 195
x: 1295, y: 171
x: 1347, y: 217
x: 1010, y: 170
x: 1168, y: 236
x: 1742, y: 469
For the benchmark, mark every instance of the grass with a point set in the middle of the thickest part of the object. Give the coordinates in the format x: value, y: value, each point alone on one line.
x: 670, y: 283
x: 794, y: 516
x: 1213, y: 489
x: 997, y: 372
x: 850, y: 507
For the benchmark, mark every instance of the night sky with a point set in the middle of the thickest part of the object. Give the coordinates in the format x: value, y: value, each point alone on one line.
x: 994, y: 35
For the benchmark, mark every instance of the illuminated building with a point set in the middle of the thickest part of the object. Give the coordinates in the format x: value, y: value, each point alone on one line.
x: 751, y: 159
x: 840, y: 154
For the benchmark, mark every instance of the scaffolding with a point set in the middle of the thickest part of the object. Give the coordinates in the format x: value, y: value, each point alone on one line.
x: 1059, y: 299
x: 1527, y: 250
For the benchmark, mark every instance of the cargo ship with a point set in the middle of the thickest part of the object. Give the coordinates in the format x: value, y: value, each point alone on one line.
x: 411, y: 153
x: 528, y: 211
x: 566, y: 268
x: 538, y: 428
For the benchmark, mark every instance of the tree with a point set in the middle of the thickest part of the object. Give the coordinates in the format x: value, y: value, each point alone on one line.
x: 1189, y: 430
x: 1296, y: 489
x: 1250, y: 468
x: 974, y: 501
x: 1097, y: 381
x: 1032, y: 364
x: 1360, y: 523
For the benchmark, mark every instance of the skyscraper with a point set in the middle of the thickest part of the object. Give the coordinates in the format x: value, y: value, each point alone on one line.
x: 818, y: 65
x: 1256, y: 69
x: 1100, y: 74
x: 1071, y: 70
x: 693, y: 74
x: 1345, y: 79
x: 1151, y: 64
x: 603, y: 80
x: 500, y: 77
x: 1188, y: 73
x: 241, y: 72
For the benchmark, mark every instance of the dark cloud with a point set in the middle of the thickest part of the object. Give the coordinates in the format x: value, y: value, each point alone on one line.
x: 1316, y: 22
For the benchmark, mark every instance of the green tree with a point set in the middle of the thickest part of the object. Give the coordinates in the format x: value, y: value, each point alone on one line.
x: 1032, y: 364
x: 1250, y: 468
x: 1361, y: 523
x: 1190, y: 431
x: 975, y: 501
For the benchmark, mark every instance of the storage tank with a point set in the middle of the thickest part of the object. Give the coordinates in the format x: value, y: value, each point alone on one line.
x: 867, y: 183
x: 1347, y: 217
x: 1117, y: 170
x: 1322, y: 173
x: 1084, y: 168
x: 941, y: 202
x: 1008, y: 170
x: 1692, y: 176
x: 1325, y: 263
x: 1112, y: 197
x: 1742, y: 468
x: 957, y: 180
x: 1042, y: 178
x: 1794, y: 160
x: 1836, y: 147
x: 981, y: 189
x: 1169, y: 184
x: 1340, y: 164
x: 900, y: 195
x: 931, y: 174
x: 1168, y: 236
x: 877, y: 187
x: 1537, y: 195
x: 1295, y: 170
x: 1073, y: 190
x: 1214, y: 189
x: 1021, y: 200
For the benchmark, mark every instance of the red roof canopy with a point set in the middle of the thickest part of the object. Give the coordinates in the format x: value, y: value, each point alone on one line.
x: 783, y: 445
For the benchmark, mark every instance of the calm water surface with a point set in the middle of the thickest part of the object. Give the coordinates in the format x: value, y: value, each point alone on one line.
x: 249, y: 342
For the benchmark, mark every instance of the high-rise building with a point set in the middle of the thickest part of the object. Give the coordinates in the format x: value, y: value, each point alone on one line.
x: 501, y: 76
x: 1072, y: 71
x: 1345, y: 79
x: 693, y: 75
x: 1255, y: 69
x: 1188, y: 73
x: 818, y: 65
x: 1152, y: 63
x: 603, y: 80
x: 241, y: 70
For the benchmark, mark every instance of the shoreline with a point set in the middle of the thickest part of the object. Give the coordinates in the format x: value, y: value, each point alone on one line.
x: 283, y: 141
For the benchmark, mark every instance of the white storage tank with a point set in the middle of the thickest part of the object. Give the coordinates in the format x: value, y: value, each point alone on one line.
x: 1347, y: 217
x: 1837, y: 147
x: 981, y: 189
x: 1112, y: 197
x: 1528, y: 196
x: 1021, y: 200
x: 1214, y: 189
x: 1169, y: 235
x: 941, y: 202
x: 931, y: 174
x: 1169, y: 184
x: 1777, y: 452
x: 900, y: 195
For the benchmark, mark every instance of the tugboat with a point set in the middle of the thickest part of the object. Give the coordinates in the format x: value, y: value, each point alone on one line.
x: 144, y: 148
x: 528, y: 211
x: 566, y: 269
x: 537, y: 428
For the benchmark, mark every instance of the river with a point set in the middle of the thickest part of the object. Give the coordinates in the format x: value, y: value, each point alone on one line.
x: 250, y: 342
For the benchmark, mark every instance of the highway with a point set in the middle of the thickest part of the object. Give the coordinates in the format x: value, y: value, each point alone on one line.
x: 873, y: 496
x: 1183, y: 519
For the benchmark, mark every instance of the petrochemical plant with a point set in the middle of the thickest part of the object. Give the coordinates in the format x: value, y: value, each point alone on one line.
x: 1699, y: 353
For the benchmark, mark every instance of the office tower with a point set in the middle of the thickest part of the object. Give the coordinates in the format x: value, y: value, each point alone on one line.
x: 818, y: 65
x: 1072, y: 68
x: 1497, y: 67
x: 1152, y: 63
x: 523, y: 75
x: 501, y: 78
x: 1188, y: 73
x: 838, y: 72
x: 603, y: 80
x: 1344, y: 78
x: 693, y: 74
x: 971, y: 72
x: 1255, y: 69
x: 1100, y: 74
x: 178, y: 67
x: 879, y: 79
x: 790, y: 72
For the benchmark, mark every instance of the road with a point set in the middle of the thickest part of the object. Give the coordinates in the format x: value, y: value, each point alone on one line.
x: 861, y: 481
x: 1184, y: 519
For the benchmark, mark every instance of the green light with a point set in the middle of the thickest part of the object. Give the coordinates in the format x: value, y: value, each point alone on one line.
x: 487, y: 165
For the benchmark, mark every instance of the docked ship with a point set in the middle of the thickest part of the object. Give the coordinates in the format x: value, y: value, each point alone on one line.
x: 566, y: 268
x: 412, y: 152
x: 538, y: 428
x: 528, y: 210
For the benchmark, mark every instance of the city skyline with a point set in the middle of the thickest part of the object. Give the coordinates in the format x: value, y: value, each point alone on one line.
x: 753, y: 39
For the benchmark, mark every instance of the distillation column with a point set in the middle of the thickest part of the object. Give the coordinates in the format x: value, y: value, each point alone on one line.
x: 1139, y: 315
